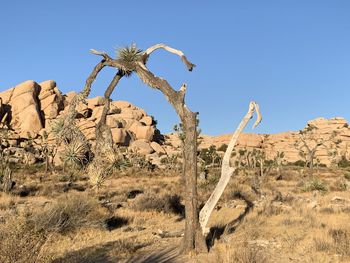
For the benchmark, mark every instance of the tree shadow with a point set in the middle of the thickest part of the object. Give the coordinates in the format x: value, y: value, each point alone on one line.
x: 217, y: 231
x: 96, y: 254
x: 169, y: 255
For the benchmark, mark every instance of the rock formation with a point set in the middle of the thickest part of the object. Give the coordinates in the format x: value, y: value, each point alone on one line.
x: 33, y: 107
x: 284, y: 142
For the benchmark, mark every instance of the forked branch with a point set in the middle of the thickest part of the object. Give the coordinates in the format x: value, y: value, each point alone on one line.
x: 226, y: 169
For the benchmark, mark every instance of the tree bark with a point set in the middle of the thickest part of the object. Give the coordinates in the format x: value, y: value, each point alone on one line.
x: 193, y: 239
x: 101, y: 125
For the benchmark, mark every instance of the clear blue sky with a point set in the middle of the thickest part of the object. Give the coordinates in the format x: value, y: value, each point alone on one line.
x: 291, y: 56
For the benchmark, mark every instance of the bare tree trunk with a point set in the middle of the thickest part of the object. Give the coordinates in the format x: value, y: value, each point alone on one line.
x: 101, y: 125
x: 193, y: 239
x: 226, y: 169
x: 261, y: 167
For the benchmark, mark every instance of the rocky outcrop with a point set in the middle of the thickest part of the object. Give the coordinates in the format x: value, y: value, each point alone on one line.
x: 33, y: 107
x: 25, y: 112
x: 284, y: 142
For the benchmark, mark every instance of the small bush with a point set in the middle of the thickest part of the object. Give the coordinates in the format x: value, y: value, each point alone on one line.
x: 244, y: 253
x: 347, y: 176
x: 20, y: 241
x: 164, y: 203
x: 315, y: 184
x: 338, y: 185
x: 341, y: 239
x: 322, y: 245
x: 223, y: 147
x: 299, y: 163
x: 69, y: 213
x: 344, y: 163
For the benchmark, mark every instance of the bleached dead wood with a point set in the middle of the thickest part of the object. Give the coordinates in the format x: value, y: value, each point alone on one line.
x: 226, y: 169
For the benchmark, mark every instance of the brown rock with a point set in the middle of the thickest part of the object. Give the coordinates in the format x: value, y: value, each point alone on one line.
x: 147, y: 120
x: 94, y: 102
x: 120, y: 136
x: 157, y: 148
x: 142, y: 132
x: 142, y: 147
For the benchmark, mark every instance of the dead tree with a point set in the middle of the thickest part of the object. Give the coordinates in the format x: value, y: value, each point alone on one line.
x: 131, y: 60
x: 226, y: 169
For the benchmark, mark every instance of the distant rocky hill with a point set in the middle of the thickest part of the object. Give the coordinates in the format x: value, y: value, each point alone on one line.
x: 32, y: 108
x: 283, y: 142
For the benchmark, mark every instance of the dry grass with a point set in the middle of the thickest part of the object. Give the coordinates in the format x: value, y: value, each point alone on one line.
x: 68, y: 213
x: 20, y: 241
x: 284, y: 224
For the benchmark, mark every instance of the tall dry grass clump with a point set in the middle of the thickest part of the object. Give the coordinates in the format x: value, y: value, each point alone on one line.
x: 23, y: 235
x: 20, y: 241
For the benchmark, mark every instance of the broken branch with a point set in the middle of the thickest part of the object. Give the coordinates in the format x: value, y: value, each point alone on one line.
x: 226, y: 169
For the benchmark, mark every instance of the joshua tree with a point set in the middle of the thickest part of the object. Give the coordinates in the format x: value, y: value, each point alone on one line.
x: 129, y: 60
x: 310, y: 141
x: 278, y: 160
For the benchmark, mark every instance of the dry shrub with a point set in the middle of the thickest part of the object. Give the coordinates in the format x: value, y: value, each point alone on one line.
x: 337, y: 241
x: 322, y: 244
x: 341, y: 241
x: 20, y: 241
x: 245, y: 253
x: 338, y: 185
x: 69, y: 213
x: 161, y: 203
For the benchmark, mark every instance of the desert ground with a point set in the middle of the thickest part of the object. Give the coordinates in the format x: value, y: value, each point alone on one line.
x: 137, y: 216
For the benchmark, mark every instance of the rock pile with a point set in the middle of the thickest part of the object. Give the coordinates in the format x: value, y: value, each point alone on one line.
x: 33, y: 107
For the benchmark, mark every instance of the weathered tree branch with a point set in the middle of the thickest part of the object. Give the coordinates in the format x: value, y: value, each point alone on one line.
x: 226, y: 169
x: 151, y: 49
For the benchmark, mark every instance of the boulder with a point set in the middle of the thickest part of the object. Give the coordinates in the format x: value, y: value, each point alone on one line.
x: 142, y: 132
x: 142, y: 147
x: 26, y: 117
x: 51, y: 99
x: 122, y: 104
x: 158, y: 148
x: 120, y: 136
x: 147, y: 120
x: 94, y: 102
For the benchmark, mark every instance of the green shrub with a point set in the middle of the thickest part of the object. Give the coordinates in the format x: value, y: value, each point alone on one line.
x: 223, y: 147
x: 343, y: 163
x: 347, y: 176
x: 209, y: 155
x: 299, y: 163
x: 315, y: 184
